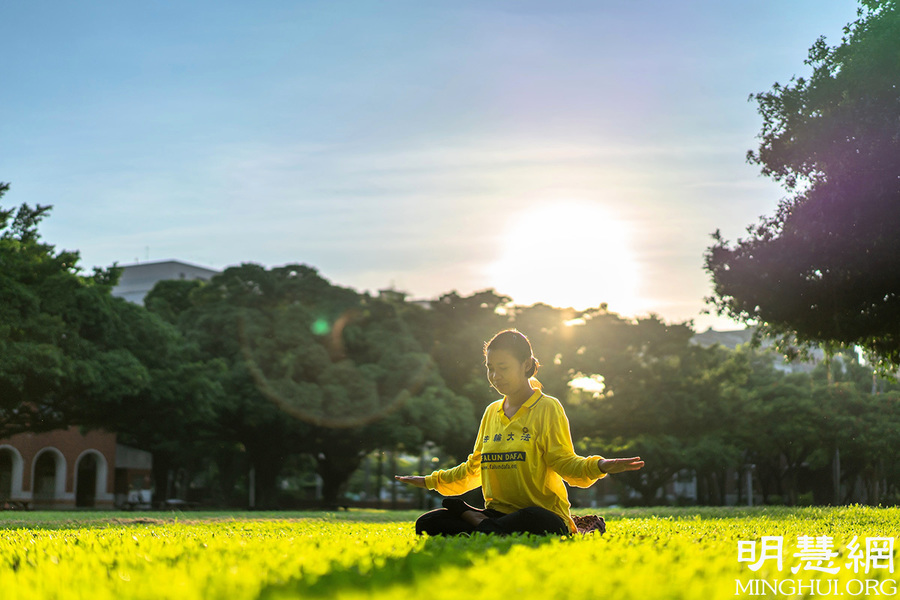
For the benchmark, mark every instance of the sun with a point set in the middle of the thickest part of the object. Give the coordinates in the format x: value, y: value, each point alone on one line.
x: 568, y: 254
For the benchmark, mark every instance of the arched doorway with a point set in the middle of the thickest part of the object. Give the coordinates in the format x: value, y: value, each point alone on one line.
x: 6, y: 474
x: 45, y: 477
x: 86, y: 481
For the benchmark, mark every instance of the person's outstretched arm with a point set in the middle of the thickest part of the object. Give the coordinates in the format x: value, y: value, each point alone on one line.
x: 458, y: 480
x: 619, y: 465
x: 576, y: 470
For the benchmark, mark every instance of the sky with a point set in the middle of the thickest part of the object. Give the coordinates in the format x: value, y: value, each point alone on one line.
x: 567, y: 152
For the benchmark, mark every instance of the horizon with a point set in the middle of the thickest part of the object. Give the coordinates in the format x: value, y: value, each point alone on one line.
x: 737, y: 327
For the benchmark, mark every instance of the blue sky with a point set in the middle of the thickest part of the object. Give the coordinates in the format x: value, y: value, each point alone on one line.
x: 572, y: 152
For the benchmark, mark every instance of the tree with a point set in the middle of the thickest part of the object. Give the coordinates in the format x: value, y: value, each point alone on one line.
x: 47, y: 322
x: 453, y: 332
x: 72, y: 354
x: 311, y: 368
x: 826, y: 267
x: 55, y: 344
x: 666, y: 399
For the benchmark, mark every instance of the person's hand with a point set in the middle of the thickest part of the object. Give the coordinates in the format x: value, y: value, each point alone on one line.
x: 618, y: 465
x: 416, y: 480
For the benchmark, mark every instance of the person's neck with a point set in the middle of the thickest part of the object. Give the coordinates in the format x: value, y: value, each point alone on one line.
x: 515, y: 402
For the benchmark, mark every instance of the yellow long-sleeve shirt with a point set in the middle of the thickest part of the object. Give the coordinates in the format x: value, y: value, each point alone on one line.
x: 522, y: 462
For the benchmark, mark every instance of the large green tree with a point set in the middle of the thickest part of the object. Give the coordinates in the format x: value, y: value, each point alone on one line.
x: 72, y: 354
x: 826, y: 266
x: 665, y: 399
x: 312, y: 368
x: 453, y: 331
x: 51, y: 320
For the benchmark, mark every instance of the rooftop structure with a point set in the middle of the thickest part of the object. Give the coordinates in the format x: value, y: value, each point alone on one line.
x: 735, y: 338
x: 138, y: 279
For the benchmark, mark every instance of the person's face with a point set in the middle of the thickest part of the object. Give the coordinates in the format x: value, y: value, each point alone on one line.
x: 505, y: 373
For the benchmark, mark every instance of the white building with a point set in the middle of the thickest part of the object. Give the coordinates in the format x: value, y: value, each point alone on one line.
x: 138, y: 279
x: 733, y: 339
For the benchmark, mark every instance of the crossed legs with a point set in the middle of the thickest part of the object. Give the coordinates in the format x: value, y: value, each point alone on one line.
x: 458, y: 518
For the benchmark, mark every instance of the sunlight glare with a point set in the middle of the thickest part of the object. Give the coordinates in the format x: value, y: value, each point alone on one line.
x: 595, y: 384
x: 568, y: 254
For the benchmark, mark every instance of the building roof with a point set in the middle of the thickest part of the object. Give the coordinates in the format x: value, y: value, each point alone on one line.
x: 139, y: 278
x: 728, y: 339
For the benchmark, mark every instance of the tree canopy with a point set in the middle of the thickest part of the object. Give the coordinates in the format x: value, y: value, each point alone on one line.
x: 826, y: 266
x: 72, y: 354
x: 312, y: 368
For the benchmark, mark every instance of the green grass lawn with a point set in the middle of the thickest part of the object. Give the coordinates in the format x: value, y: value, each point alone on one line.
x: 645, y: 553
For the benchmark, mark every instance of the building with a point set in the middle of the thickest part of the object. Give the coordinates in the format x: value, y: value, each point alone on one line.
x: 733, y: 339
x: 727, y: 339
x: 138, y: 279
x: 68, y: 468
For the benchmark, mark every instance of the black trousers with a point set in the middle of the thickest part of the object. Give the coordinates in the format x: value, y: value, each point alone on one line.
x: 533, y: 519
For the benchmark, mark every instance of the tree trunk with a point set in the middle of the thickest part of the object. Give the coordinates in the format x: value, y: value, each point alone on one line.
x: 702, y: 489
x: 393, y: 483
x: 231, y: 467
x: 720, y: 481
x: 335, y: 470
x: 648, y: 487
x: 379, y: 477
x: 836, y: 475
x: 161, y: 466
x: 266, y: 476
x: 791, y: 481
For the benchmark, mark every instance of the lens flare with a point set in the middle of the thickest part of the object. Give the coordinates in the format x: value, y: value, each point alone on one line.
x: 273, y: 389
x: 320, y: 327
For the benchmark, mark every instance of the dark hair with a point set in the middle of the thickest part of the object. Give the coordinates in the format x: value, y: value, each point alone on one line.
x: 517, y: 344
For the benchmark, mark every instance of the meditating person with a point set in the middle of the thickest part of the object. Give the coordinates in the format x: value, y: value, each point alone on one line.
x: 522, y: 455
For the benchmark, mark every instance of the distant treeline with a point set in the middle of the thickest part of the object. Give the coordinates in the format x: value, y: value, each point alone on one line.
x: 282, y: 372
